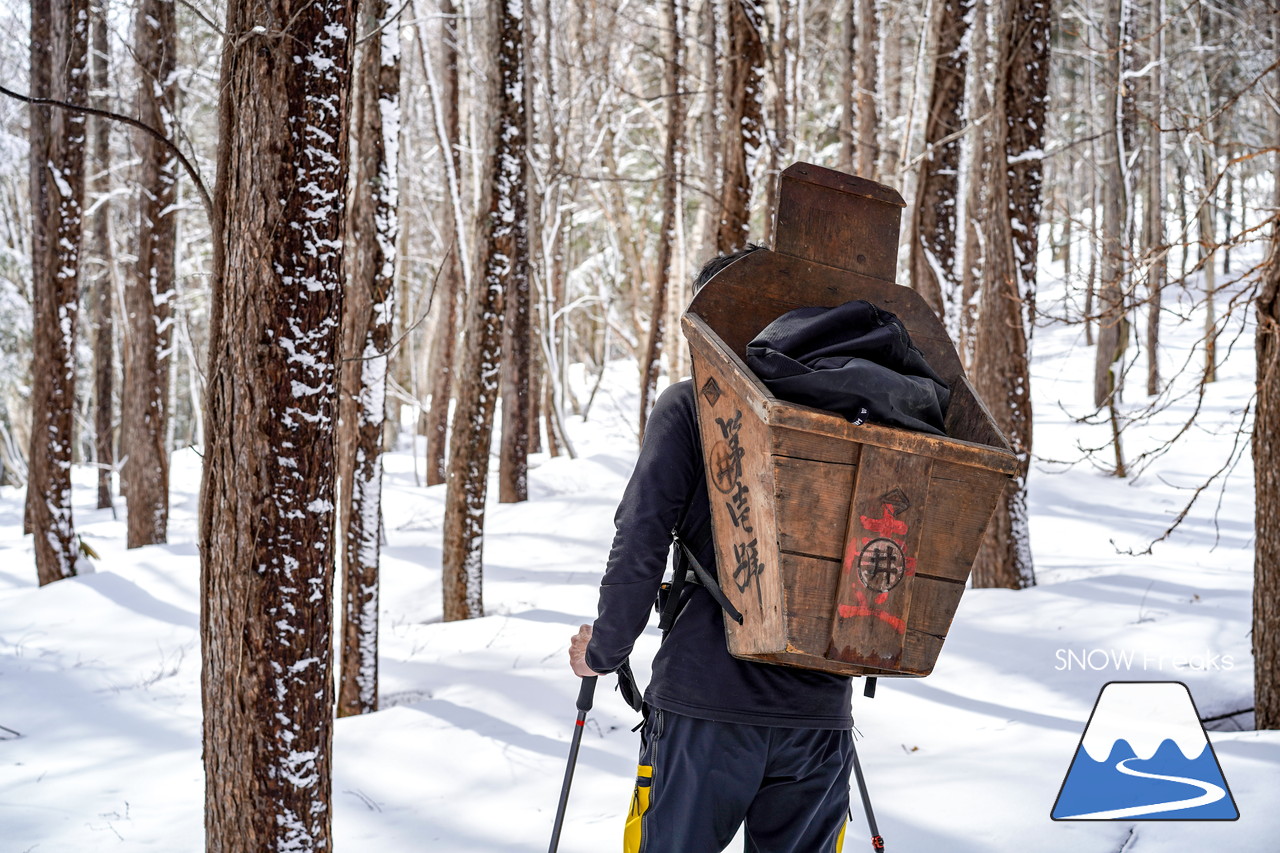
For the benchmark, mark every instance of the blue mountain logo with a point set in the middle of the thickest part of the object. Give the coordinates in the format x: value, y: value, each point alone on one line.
x: 1144, y: 755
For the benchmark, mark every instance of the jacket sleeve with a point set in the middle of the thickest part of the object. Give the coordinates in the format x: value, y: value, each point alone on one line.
x: 654, y: 501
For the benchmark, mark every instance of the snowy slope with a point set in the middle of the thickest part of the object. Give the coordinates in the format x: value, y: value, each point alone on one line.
x: 100, y: 674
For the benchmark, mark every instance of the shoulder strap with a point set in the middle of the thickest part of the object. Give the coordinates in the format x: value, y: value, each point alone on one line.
x: 705, y: 578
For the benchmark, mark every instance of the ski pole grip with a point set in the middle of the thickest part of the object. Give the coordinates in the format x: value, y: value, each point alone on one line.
x: 586, y: 693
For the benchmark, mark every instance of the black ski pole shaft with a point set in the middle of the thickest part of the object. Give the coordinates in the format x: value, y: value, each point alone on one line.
x: 585, y: 695
x: 877, y: 843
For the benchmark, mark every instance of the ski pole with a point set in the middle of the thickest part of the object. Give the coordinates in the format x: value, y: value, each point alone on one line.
x: 585, y: 694
x: 877, y: 843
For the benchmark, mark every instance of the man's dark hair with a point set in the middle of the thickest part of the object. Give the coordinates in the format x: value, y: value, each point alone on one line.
x: 713, y: 266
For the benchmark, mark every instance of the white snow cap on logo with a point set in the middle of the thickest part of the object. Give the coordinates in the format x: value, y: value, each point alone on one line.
x: 1145, y: 714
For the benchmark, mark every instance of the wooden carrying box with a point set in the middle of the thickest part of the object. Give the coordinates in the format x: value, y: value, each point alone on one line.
x: 846, y: 547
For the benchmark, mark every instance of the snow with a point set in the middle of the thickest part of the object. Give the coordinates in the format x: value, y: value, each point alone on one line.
x: 1164, y: 706
x: 100, y: 674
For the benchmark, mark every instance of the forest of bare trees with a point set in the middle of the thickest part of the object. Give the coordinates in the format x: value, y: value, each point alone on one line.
x: 292, y: 238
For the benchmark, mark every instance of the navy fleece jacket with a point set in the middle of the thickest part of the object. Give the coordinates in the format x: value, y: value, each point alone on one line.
x: 693, y: 672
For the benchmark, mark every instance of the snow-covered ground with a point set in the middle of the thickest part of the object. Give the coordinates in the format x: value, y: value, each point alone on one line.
x: 100, y: 691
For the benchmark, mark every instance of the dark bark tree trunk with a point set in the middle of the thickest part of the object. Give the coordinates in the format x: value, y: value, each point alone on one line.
x: 517, y: 390
x: 266, y: 533
x: 1002, y: 375
x: 102, y: 294
x: 744, y: 121
x: 60, y: 191
x: 505, y: 265
x: 41, y: 86
x: 150, y: 291
x: 368, y: 308
x: 674, y: 169
x: 1266, y: 472
x: 933, y: 225
x: 453, y: 280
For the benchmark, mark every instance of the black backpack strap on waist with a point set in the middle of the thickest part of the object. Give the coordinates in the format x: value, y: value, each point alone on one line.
x: 707, y: 581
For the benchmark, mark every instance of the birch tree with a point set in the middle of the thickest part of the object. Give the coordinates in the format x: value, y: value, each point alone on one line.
x: 266, y: 533
x: 505, y: 265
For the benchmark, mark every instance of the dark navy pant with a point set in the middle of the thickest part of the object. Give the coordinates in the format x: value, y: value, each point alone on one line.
x: 698, y: 780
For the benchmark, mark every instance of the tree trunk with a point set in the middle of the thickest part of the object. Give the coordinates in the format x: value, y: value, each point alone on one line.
x: 866, y: 35
x: 517, y: 394
x: 366, y: 338
x: 505, y: 267
x: 266, y: 533
x: 744, y: 121
x: 932, y: 228
x: 1208, y: 243
x: 1001, y: 374
x: 1266, y: 472
x: 674, y: 171
x: 1155, y: 201
x: 454, y: 279
x: 848, y: 54
x: 150, y: 291
x: 713, y: 176
x: 103, y: 291
x: 1110, y: 309
x: 976, y: 192
x: 60, y: 191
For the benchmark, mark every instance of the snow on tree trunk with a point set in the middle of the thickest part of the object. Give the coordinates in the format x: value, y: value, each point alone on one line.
x: 505, y: 263
x: 932, y: 230
x: 674, y: 170
x: 150, y: 291
x: 266, y: 533
x: 744, y: 121
x: 517, y: 373
x: 1001, y: 371
x: 454, y: 276
x: 56, y: 285
x: 102, y: 293
x: 366, y: 336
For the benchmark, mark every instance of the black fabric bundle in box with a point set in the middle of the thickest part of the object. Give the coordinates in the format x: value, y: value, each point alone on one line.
x: 855, y: 360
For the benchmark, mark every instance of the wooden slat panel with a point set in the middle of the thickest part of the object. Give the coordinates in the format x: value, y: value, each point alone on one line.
x: 933, y: 604
x: 812, y: 501
x: 838, y: 220
x: 740, y: 485
x: 969, y: 420
x: 751, y: 293
x: 887, y: 518
x: 814, y: 446
x: 961, y: 500
x: 803, y: 418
